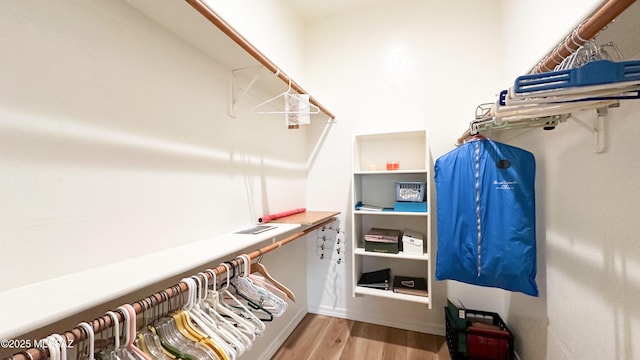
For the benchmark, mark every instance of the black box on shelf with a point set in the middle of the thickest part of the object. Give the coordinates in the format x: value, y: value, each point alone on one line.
x: 479, y: 335
x: 410, y: 285
x: 379, y: 279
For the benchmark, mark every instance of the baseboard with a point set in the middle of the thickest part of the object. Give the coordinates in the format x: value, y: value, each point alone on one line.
x: 280, y: 339
x: 432, y: 328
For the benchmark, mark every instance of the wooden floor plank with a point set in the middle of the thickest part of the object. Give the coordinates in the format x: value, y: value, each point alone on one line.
x: 395, y: 344
x: 356, y: 344
x: 320, y: 337
x: 420, y: 346
x: 335, y: 338
x: 304, y: 339
x: 367, y: 341
x: 442, y: 351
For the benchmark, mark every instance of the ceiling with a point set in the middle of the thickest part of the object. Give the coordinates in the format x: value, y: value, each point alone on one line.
x: 316, y: 9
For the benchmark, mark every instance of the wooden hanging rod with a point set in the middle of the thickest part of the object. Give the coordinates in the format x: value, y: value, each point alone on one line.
x: 216, y: 20
x: 103, y: 323
x: 587, y: 30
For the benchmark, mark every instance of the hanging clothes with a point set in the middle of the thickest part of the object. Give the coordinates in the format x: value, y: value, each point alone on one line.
x: 486, y: 216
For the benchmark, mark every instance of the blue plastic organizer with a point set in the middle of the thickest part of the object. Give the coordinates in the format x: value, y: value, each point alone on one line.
x: 594, y: 73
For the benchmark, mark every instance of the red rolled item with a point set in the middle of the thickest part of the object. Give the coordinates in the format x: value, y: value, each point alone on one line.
x: 268, y: 218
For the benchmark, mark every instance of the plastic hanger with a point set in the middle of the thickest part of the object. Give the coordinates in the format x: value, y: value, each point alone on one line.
x: 176, y: 347
x: 130, y: 330
x: 173, y: 341
x: 252, y: 306
x: 217, y: 307
x: 54, y: 347
x: 258, y: 294
x: 147, y: 341
x: 183, y: 325
x: 275, y: 294
x: 236, y: 338
x: 222, y: 337
x: 233, y: 304
x: 90, y: 338
x: 202, y: 332
x: 113, y: 355
x: 124, y: 352
x: 174, y: 332
x: 262, y: 270
x: 286, y: 95
x: 61, y: 342
x: 155, y: 345
x: 184, y: 337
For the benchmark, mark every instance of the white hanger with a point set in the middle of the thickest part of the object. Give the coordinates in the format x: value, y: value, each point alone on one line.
x: 237, y: 346
x: 116, y: 328
x: 213, y: 299
x: 90, y: 337
x: 221, y: 321
x: 288, y: 93
x: 260, y: 327
x: 54, y: 347
x: 203, y: 324
x: 61, y: 343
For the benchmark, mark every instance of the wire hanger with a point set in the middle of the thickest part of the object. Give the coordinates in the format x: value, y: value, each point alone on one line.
x: 287, y: 95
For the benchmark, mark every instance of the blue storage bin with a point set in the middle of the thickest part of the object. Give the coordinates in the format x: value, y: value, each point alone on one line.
x: 406, y: 206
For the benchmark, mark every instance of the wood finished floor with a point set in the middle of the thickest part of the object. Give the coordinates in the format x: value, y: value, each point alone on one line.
x: 328, y: 338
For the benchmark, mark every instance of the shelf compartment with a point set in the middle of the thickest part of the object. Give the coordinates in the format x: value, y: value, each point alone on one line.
x: 360, y: 290
x: 392, y: 172
x: 372, y: 151
x: 380, y: 189
x: 391, y: 213
x: 400, y: 255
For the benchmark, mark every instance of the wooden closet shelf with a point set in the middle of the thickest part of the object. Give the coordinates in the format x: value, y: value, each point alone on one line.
x: 307, y: 217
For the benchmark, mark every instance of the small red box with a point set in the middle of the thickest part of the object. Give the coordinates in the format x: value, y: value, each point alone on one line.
x: 487, y: 343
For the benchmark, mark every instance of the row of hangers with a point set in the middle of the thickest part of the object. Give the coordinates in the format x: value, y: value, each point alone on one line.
x: 591, y: 77
x: 205, y: 322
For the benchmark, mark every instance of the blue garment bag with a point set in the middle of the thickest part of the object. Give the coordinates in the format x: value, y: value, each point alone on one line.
x: 486, y: 216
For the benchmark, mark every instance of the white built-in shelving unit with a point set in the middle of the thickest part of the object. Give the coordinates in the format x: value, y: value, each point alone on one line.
x: 374, y: 185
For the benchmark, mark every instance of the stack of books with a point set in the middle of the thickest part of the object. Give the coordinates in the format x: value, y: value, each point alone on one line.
x: 382, y: 240
x: 376, y: 279
x: 410, y: 285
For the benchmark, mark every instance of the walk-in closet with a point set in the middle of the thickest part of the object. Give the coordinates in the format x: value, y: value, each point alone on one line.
x: 307, y: 179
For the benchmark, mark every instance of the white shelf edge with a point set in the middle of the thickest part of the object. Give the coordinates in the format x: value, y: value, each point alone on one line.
x: 83, y: 290
x: 391, y: 213
x: 400, y: 255
x: 390, y: 172
x: 360, y: 290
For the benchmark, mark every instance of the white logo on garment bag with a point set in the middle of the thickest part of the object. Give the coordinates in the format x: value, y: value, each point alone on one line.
x: 504, y: 184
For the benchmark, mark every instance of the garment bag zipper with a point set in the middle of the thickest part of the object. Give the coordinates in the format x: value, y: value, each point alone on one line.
x: 478, y: 222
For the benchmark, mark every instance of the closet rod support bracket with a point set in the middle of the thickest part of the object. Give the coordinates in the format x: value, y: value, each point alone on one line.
x: 599, y: 129
x: 237, y: 91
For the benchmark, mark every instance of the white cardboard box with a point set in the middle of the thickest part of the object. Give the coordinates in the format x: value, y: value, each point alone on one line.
x: 412, y: 242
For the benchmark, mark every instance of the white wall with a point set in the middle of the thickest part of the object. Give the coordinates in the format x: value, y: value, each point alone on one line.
x: 271, y: 26
x: 115, y: 142
x: 397, y: 65
x: 588, y: 254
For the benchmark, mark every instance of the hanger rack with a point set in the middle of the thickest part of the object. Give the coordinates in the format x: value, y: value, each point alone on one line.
x: 105, y: 322
x: 587, y: 30
x: 216, y: 20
